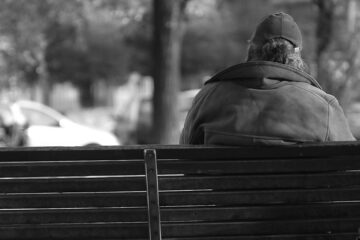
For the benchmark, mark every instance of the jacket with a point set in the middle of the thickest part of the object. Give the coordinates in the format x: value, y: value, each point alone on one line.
x: 264, y: 103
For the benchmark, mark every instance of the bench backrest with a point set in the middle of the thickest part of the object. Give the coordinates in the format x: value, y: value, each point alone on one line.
x: 301, y: 192
x: 73, y: 193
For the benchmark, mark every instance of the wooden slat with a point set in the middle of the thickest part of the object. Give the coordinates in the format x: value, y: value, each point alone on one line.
x: 251, y: 213
x: 41, y: 216
x: 72, y: 185
x: 266, y: 212
x: 71, y: 168
x: 76, y: 231
x: 77, y: 168
x: 335, y: 236
x: 239, y: 166
x: 322, y: 226
x: 327, y: 149
x: 72, y: 200
x: 70, y: 153
x: 278, y: 181
x: 258, y: 197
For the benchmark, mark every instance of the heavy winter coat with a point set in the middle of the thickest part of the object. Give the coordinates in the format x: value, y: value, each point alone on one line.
x: 262, y: 103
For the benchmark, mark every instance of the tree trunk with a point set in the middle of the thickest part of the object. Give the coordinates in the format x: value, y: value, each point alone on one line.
x: 46, y: 85
x: 324, y: 34
x: 167, y: 39
x: 86, y: 94
x: 338, y: 52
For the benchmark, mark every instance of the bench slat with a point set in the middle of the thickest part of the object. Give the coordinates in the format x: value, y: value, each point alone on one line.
x: 333, y: 236
x: 279, y: 181
x: 70, y: 153
x: 319, y: 226
x: 222, y: 166
x: 94, y: 168
x: 328, y: 149
x: 258, y: 197
x: 350, y: 210
x: 72, y: 200
x: 38, y: 216
x: 76, y: 231
x: 72, y: 185
x: 291, y: 212
x: 71, y: 168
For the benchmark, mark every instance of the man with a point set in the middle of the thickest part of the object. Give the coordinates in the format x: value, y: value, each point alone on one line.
x: 269, y: 99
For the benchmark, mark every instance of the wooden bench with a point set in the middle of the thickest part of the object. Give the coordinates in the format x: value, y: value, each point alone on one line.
x: 297, y: 192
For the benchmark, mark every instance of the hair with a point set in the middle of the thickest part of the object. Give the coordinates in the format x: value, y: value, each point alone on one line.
x: 276, y: 50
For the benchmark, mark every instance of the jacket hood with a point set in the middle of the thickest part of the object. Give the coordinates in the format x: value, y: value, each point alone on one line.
x: 264, y: 69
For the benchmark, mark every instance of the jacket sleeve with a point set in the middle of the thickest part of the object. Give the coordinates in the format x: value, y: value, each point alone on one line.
x: 338, y: 127
x: 188, y: 131
x: 184, y: 137
x: 193, y: 132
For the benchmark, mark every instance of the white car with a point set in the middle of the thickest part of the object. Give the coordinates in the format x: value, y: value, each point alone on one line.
x: 47, y: 127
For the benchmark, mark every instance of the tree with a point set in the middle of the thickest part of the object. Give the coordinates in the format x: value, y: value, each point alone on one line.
x: 24, y: 55
x: 25, y: 24
x: 94, y: 46
x: 338, y: 54
x: 85, y: 58
x: 167, y: 38
x: 49, y: 41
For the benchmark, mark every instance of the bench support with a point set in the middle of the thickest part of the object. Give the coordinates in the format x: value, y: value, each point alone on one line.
x: 152, y: 194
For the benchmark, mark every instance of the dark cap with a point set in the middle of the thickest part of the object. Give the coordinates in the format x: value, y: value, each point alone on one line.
x: 278, y: 25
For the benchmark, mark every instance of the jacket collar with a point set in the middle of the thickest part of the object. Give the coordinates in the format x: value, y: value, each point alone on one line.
x: 264, y: 69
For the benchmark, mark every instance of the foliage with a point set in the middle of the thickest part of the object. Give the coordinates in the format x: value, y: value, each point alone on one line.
x: 76, y: 41
x: 216, y: 38
x: 338, y: 55
x: 85, y: 41
x: 97, y: 49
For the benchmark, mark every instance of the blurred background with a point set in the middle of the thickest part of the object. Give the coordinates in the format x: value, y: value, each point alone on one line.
x: 110, y: 72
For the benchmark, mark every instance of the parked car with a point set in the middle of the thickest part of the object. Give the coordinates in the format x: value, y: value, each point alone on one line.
x: 47, y: 127
x: 12, y: 132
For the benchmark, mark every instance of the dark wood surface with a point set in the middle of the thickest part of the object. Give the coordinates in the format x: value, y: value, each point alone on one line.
x: 299, y: 192
x: 270, y: 192
x: 73, y: 193
x: 334, y: 236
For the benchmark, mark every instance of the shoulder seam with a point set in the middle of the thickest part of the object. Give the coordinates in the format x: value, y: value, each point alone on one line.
x: 312, y: 93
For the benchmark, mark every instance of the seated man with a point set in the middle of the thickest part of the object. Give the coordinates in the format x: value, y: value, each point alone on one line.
x: 268, y: 99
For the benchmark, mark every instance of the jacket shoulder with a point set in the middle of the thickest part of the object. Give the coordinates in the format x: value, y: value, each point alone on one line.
x: 316, y: 92
x: 191, y: 134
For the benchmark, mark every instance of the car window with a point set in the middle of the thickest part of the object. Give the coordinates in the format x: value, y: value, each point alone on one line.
x: 35, y: 117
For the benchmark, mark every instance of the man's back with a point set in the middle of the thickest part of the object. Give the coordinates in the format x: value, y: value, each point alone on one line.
x: 277, y: 104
